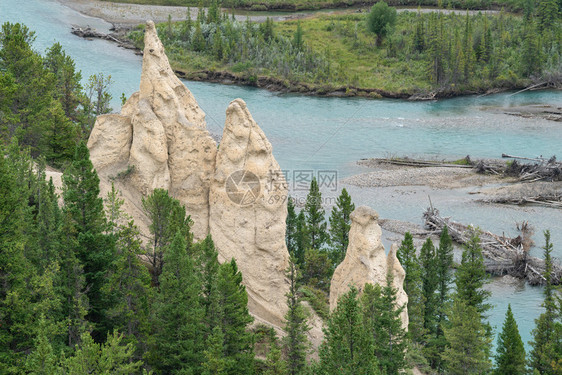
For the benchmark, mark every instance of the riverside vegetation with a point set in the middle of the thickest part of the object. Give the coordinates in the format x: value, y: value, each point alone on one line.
x: 81, y: 292
x: 412, y: 53
x: 292, y: 5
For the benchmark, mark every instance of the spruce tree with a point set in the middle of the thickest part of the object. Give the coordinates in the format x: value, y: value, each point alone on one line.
x: 406, y: 254
x: 291, y: 232
x: 129, y: 279
x: 347, y: 347
x: 510, y: 357
x: 471, y: 276
x: 167, y: 216
x: 214, y: 362
x: 295, y: 342
x: 468, y: 341
x: 315, y: 217
x: 429, y: 286
x: 545, y: 351
x: 94, y: 248
x: 43, y: 360
x: 301, y: 238
x: 233, y: 301
x: 381, y: 319
x: 274, y: 362
x: 177, y: 344
x: 340, y: 223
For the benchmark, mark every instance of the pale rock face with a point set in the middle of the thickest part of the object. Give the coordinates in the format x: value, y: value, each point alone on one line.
x: 161, y: 133
x: 366, y: 261
x: 251, y: 227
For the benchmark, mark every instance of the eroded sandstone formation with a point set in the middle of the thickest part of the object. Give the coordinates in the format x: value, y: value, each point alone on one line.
x: 366, y: 261
x: 159, y: 140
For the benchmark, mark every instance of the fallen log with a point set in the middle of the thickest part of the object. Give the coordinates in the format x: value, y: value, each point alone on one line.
x: 503, y: 255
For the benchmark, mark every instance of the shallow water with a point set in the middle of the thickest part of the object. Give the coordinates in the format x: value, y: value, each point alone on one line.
x: 331, y: 134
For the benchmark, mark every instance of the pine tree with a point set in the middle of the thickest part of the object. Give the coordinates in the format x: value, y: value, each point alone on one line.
x: 43, y: 360
x: 198, y: 40
x: 15, y: 271
x: 214, y: 361
x: 471, y: 276
x: 429, y: 286
x: 274, y: 362
x: 301, y: 238
x: 207, y: 265
x: 340, y: 223
x: 295, y: 342
x: 545, y: 350
x: 177, y: 345
x: 110, y: 358
x: 236, y: 318
x: 129, y: 280
x: 298, y: 41
x: 444, y: 263
x: 419, y: 34
x: 167, y: 216
x: 291, y: 231
x: 547, y: 14
x: 467, y: 352
x: 406, y: 254
x: 347, y: 347
x: 381, y: 319
x: 510, y: 357
x: 315, y: 217
x: 94, y: 249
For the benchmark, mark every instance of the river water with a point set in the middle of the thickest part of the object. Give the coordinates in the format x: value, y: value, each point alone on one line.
x: 331, y: 134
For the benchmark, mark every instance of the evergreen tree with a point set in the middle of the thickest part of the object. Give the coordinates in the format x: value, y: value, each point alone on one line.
x: 291, y: 231
x: 93, y: 248
x: 298, y: 41
x: 129, y: 280
x: 406, y: 254
x: 214, y: 361
x: 317, y: 269
x: 110, y: 358
x: 347, y: 347
x: 198, y: 40
x: 301, y: 238
x: 315, y: 217
x: 167, y: 216
x: 471, y: 276
x: 340, y: 223
x: 381, y: 319
x: 545, y: 352
x: 43, y: 360
x: 429, y: 286
x: 419, y: 34
x: 207, y: 264
x: 467, y: 352
x: 444, y: 263
x: 274, y: 362
x: 233, y: 299
x: 177, y: 344
x: 510, y: 357
x: 547, y: 14
x: 295, y: 342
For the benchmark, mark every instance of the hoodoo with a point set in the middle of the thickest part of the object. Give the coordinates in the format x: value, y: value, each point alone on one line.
x: 366, y: 261
x: 238, y: 194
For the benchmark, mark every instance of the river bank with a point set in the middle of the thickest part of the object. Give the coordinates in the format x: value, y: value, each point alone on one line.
x: 348, y: 67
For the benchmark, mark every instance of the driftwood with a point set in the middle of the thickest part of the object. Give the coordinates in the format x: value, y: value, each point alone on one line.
x: 116, y: 37
x: 503, y: 255
x: 541, y: 170
x: 420, y: 163
x: 551, y: 199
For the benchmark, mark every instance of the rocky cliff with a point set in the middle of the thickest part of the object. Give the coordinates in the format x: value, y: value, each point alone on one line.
x: 366, y: 261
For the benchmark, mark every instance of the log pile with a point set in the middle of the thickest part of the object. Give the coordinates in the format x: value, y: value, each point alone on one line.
x: 503, y: 255
x: 539, y: 169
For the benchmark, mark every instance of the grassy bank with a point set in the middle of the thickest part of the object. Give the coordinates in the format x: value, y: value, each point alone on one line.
x: 426, y: 54
x: 296, y: 5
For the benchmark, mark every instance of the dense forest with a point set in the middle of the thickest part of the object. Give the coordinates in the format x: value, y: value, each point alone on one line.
x: 82, y: 291
x: 397, y: 54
